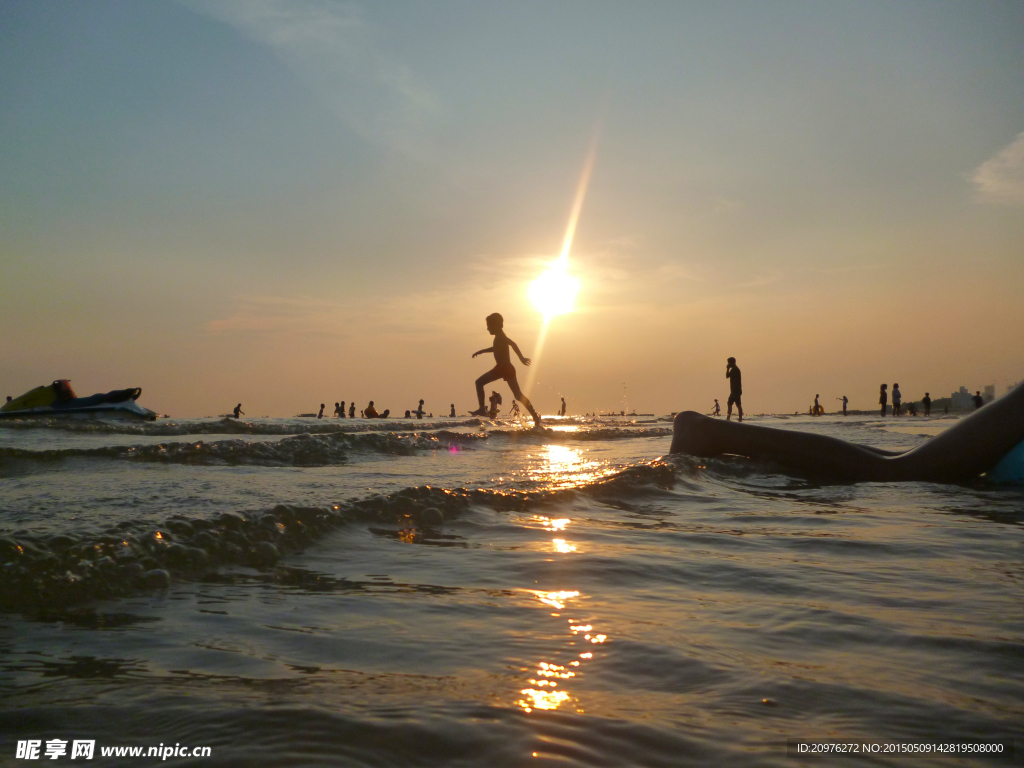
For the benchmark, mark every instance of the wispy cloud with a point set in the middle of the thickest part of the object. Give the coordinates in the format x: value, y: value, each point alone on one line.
x: 1001, y: 178
x: 342, y: 58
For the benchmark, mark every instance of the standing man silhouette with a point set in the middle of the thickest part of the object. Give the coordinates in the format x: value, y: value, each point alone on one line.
x: 732, y: 373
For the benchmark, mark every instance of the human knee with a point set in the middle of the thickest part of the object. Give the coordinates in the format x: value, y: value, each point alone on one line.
x: 685, y: 431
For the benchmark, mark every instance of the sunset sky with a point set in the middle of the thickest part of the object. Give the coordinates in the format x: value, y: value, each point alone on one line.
x: 289, y: 203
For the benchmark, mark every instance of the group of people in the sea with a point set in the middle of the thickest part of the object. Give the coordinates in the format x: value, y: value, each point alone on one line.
x: 732, y: 372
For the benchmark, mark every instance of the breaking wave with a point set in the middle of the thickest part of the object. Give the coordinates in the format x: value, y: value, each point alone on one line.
x: 39, y: 572
x: 297, y: 451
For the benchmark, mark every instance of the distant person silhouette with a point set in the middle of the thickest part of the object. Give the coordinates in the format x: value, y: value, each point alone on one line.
x: 562, y: 411
x: 419, y: 410
x: 452, y: 414
x: 408, y: 415
x: 370, y: 412
x: 818, y: 410
x: 912, y: 409
x: 926, y: 401
x: 897, y: 400
x: 352, y: 409
x: 883, y: 397
x: 238, y: 410
x: 732, y: 373
x: 338, y: 410
x: 978, y: 400
x: 845, y: 401
x: 321, y: 414
x: 717, y: 410
x: 503, y: 368
x: 9, y: 398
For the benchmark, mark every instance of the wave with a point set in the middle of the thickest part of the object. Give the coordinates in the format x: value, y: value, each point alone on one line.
x: 230, y: 426
x: 41, y: 572
x: 297, y: 451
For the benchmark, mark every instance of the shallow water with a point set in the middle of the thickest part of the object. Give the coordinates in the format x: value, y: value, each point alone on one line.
x: 566, y: 598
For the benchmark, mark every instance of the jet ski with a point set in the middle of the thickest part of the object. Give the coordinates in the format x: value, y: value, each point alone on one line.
x: 59, y: 400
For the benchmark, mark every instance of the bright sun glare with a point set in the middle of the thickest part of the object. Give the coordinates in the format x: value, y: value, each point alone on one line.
x: 554, y: 292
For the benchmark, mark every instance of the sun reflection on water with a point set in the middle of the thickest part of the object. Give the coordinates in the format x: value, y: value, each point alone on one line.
x: 559, y: 466
x: 545, y: 687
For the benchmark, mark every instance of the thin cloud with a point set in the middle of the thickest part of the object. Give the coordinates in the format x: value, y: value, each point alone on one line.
x: 1001, y: 178
x: 340, y: 56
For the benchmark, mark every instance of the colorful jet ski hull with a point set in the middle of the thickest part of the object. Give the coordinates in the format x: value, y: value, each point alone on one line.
x: 58, y: 400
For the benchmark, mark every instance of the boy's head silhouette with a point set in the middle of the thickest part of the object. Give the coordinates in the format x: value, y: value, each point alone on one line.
x: 495, y: 322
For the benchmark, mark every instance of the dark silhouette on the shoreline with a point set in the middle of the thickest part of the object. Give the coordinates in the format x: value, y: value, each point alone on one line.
x: 897, y: 400
x: 978, y: 400
x: 452, y: 414
x: 717, y: 410
x: 320, y: 415
x: 561, y: 412
x: 732, y: 373
x: 845, y: 402
x: 926, y: 401
x: 370, y: 412
x: 419, y: 410
x: 352, y: 409
x: 238, y: 410
x: 503, y: 368
x: 493, y: 402
x: 967, y: 449
x: 883, y: 397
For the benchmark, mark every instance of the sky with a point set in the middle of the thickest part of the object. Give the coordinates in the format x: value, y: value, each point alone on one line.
x: 289, y: 203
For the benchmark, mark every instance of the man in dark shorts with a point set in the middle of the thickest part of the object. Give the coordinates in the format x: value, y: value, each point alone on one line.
x: 503, y: 368
x: 927, y: 402
x: 732, y: 373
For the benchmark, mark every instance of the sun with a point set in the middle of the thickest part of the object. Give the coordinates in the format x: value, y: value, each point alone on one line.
x: 554, y: 292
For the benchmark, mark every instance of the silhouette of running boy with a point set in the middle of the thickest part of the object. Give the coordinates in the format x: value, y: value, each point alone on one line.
x: 503, y: 368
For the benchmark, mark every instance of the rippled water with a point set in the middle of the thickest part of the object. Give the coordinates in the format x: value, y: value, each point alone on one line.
x: 295, y: 592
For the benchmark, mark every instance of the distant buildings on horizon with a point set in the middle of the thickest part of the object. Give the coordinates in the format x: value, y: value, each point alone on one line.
x: 964, y: 399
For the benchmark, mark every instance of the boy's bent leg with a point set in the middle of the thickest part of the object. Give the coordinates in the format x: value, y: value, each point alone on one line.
x: 487, y: 378
x: 513, y: 384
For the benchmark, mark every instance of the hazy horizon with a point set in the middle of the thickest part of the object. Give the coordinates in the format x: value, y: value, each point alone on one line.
x: 285, y: 204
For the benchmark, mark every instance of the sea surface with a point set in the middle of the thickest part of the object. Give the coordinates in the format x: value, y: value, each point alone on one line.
x: 462, y: 592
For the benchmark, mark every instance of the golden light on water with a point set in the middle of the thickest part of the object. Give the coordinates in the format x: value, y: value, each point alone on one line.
x: 546, y: 679
x: 559, y: 466
x: 555, y: 599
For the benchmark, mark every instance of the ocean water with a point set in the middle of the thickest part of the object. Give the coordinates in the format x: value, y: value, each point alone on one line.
x: 463, y: 593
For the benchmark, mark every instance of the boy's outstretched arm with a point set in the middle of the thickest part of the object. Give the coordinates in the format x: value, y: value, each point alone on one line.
x: 483, y: 351
x: 524, y: 360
